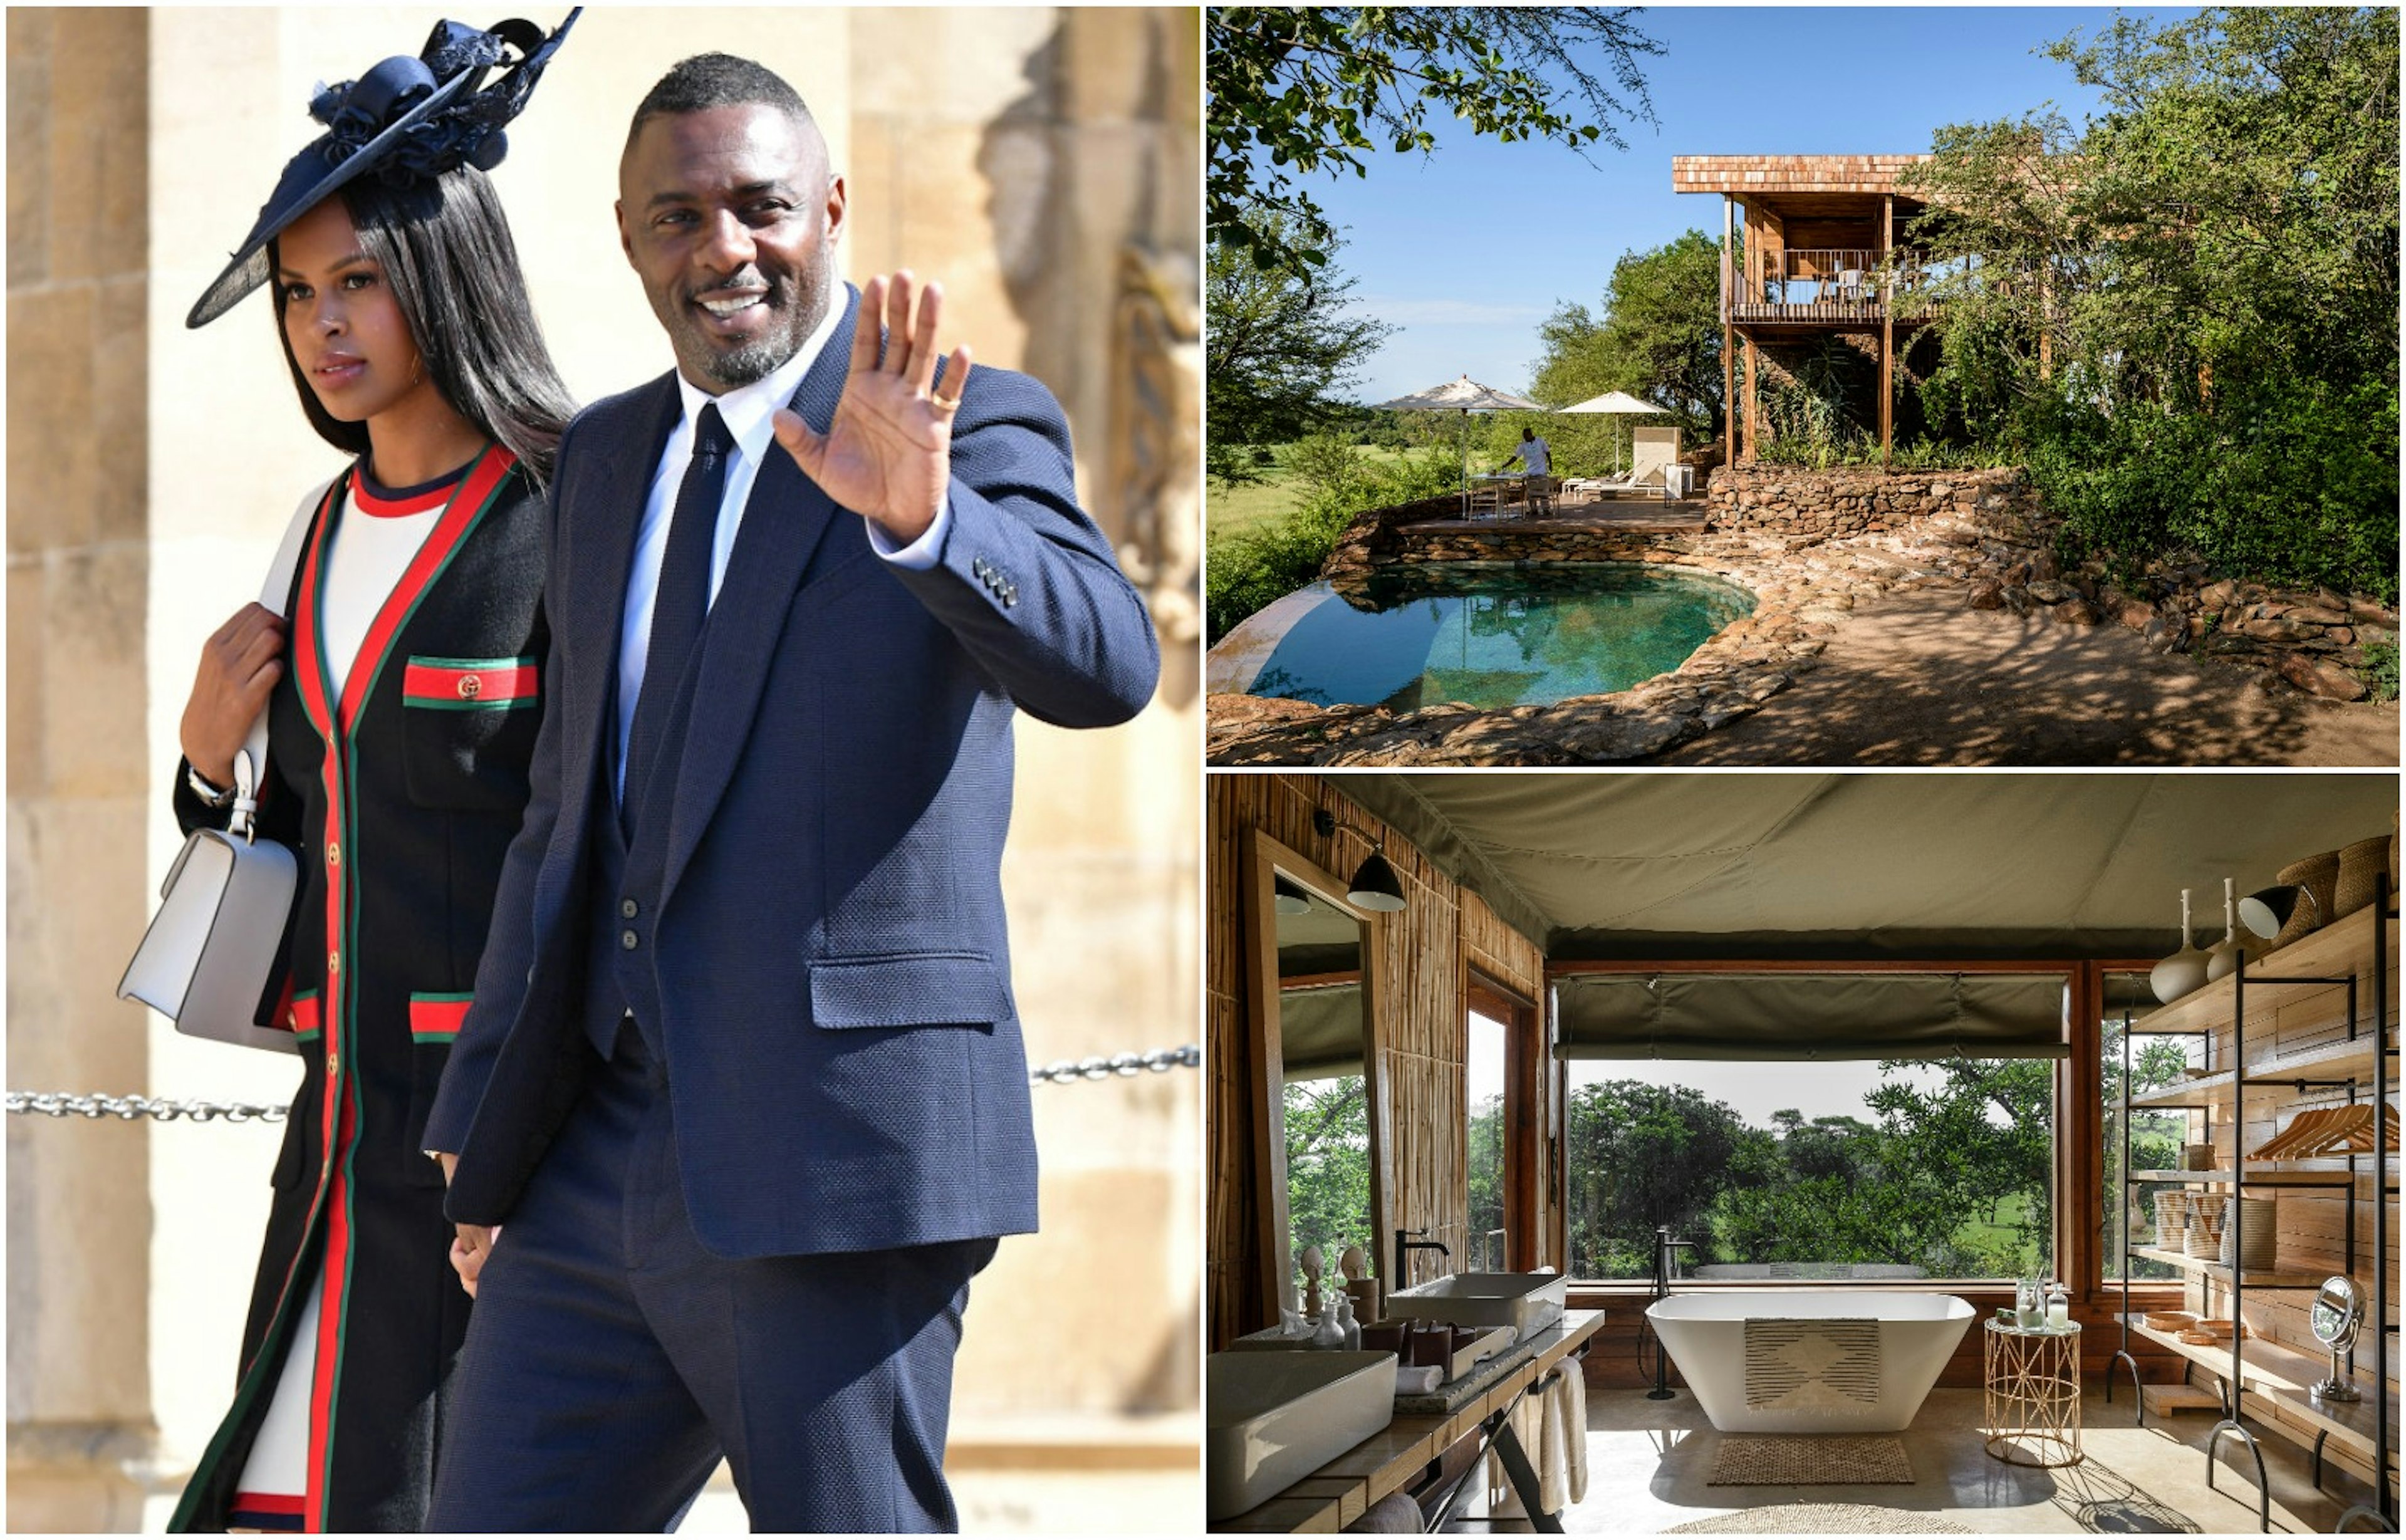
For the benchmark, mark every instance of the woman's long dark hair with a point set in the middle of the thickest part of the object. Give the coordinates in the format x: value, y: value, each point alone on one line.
x: 444, y: 247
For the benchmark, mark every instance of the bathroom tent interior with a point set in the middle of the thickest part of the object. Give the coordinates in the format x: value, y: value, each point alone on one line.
x: 1772, y: 916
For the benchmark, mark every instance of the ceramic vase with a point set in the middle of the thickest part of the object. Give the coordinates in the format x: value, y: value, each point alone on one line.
x: 2229, y: 955
x: 2183, y: 972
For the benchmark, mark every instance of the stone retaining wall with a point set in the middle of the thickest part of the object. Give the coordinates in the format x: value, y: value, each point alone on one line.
x: 1799, y: 503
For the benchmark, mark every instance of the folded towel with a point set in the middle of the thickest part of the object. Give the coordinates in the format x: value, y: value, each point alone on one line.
x: 1575, y: 1397
x: 1394, y: 1514
x: 1553, y: 1459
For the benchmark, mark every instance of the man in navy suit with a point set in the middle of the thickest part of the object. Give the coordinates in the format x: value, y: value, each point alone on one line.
x: 743, y: 1073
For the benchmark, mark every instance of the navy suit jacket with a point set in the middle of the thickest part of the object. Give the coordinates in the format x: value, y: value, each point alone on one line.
x: 834, y: 980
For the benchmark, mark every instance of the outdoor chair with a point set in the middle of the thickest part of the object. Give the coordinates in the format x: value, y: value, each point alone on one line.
x: 1487, y: 498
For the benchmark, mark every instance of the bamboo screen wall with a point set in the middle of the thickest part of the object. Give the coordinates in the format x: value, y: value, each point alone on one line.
x: 1421, y: 957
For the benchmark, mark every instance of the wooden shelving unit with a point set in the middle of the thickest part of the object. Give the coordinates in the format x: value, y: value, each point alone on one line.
x: 2307, y: 1021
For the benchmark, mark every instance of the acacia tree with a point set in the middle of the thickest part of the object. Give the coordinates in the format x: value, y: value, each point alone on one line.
x: 1659, y: 335
x: 1276, y: 348
x: 1311, y: 90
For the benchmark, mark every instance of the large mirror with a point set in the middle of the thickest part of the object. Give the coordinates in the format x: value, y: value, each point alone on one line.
x: 1316, y: 1095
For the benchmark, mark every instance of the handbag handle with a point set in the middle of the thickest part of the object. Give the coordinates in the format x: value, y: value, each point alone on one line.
x: 250, y: 761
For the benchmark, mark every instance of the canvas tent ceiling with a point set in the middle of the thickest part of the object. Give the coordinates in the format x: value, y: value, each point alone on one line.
x: 1857, y: 868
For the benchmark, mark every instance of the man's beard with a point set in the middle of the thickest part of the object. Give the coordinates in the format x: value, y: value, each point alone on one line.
x: 798, y: 306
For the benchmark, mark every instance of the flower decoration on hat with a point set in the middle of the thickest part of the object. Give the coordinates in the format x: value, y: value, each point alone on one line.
x: 405, y: 120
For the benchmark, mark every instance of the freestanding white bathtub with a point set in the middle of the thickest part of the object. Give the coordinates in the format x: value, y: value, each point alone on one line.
x: 1705, y: 1334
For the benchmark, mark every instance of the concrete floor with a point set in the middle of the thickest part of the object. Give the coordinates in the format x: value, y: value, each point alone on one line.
x: 1647, y: 1462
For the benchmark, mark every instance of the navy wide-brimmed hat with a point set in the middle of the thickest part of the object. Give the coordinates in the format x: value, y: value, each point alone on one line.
x: 407, y: 119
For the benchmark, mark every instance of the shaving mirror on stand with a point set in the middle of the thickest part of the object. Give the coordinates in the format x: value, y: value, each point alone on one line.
x: 2336, y: 1315
x: 1318, y: 1112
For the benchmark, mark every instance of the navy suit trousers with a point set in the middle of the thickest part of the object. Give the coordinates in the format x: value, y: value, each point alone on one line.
x: 611, y: 1361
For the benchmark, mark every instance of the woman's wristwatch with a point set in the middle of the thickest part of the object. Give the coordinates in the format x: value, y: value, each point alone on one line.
x: 211, y: 795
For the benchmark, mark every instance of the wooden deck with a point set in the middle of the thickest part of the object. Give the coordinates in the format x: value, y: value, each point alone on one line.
x: 1864, y: 312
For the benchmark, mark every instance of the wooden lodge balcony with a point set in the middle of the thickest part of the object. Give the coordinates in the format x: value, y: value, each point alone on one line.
x: 1821, y: 286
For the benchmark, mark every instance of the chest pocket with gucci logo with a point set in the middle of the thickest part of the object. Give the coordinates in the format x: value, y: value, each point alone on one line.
x: 471, y: 725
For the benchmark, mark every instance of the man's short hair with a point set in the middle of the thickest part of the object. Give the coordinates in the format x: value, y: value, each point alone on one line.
x: 709, y: 80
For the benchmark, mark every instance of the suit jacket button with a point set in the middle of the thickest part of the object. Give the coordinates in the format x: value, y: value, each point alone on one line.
x: 629, y: 907
x: 627, y: 941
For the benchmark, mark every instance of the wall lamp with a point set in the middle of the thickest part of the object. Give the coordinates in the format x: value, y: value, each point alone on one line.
x: 1375, y: 885
x: 2267, y: 913
x: 1287, y: 899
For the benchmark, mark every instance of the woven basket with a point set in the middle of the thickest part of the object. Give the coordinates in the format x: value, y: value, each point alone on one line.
x: 2260, y: 1221
x: 2360, y: 865
x: 2172, y: 1219
x: 2318, y: 875
x: 2203, y: 1239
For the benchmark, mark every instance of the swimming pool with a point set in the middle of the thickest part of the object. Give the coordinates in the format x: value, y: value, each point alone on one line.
x: 1488, y: 634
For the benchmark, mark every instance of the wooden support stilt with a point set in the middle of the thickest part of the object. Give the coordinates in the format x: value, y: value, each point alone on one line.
x: 1728, y: 356
x: 1887, y: 322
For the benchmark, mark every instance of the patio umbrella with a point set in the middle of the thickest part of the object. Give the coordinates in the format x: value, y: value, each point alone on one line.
x: 1465, y: 396
x: 1620, y: 403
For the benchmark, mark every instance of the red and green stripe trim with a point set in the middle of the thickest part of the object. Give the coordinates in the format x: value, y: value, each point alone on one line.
x: 416, y: 501
x: 436, y: 1017
x: 303, y: 1016
x: 263, y: 1510
x: 469, y: 684
x: 337, y: 721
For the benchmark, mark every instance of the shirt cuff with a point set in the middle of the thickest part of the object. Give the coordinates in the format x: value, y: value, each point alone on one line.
x: 920, y: 554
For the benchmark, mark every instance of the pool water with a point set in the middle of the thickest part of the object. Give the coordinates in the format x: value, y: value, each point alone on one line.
x: 1493, y: 634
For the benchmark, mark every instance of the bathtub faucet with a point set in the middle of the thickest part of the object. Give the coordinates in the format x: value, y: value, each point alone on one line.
x: 1664, y: 1259
x: 1404, y: 1245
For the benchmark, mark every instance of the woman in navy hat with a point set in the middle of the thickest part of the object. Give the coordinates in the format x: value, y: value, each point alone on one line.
x: 403, y: 698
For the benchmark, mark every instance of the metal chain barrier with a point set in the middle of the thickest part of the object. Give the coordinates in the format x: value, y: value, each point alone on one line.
x: 61, y: 1104
x: 1160, y: 1061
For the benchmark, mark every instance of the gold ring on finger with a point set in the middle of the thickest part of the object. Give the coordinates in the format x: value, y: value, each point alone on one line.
x: 950, y: 404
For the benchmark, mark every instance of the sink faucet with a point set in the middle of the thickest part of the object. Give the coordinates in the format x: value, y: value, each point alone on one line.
x: 1404, y: 1245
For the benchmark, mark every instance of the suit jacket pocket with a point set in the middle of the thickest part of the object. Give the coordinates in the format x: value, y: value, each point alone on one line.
x: 470, y: 724
x: 909, y: 989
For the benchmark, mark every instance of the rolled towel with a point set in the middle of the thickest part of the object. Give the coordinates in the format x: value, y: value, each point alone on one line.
x: 1394, y: 1514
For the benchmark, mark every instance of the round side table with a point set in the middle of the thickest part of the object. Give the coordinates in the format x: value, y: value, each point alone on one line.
x: 2032, y: 1393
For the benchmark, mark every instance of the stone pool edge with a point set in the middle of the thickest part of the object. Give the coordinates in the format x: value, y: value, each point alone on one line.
x: 1732, y: 674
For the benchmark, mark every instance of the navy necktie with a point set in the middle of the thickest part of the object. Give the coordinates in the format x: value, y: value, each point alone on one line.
x: 679, y: 606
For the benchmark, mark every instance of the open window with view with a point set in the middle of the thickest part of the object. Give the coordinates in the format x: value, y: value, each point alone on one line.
x: 2135, y: 1220
x: 1917, y: 1143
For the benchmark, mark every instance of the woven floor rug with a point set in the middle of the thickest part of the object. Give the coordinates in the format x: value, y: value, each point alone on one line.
x: 1820, y: 1519
x: 1809, y: 1460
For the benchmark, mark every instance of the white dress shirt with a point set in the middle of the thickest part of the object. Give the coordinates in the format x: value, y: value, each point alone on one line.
x: 749, y: 412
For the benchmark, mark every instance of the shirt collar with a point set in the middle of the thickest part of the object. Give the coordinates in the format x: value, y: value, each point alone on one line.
x: 748, y: 410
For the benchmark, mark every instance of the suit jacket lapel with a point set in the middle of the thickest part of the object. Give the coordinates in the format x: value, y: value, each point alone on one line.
x: 608, y: 522
x: 783, y: 521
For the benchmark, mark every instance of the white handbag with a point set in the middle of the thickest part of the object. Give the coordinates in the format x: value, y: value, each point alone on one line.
x: 205, y: 960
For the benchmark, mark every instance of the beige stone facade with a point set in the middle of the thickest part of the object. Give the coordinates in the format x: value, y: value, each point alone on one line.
x: 1044, y: 164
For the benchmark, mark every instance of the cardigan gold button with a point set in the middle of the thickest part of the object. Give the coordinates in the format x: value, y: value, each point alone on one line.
x: 629, y: 907
x: 469, y: 687
x: 333, y: 963
x: 627, y: 940
x: 334, y: 1064
x: 333, y: 852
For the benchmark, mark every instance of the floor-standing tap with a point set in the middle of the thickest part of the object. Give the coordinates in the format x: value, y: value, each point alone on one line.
x: 1664, y: 1260
x: 1404, y: 1245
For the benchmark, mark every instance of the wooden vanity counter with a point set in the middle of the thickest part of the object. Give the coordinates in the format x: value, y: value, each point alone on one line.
x: 1343, y: 1489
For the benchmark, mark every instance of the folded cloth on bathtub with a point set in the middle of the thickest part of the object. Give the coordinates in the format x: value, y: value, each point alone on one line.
x: 1818, y: 1364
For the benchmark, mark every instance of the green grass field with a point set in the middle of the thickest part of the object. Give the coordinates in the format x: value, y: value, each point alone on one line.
x: 1229, y: 509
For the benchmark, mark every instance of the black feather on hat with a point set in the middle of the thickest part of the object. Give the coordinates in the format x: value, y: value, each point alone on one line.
x: 405, y: 120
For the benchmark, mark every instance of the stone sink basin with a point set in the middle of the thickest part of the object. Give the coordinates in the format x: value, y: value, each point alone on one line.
x: 1272, y: 1418
x: 1526, y: 1302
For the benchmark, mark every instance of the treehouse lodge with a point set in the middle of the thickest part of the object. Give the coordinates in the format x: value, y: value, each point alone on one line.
x: 1817, y: 276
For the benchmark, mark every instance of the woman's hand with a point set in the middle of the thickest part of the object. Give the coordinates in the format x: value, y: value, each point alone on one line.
x: 239, y: 665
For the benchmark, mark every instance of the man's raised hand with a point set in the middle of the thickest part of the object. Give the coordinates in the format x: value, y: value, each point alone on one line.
x: 888, y: 453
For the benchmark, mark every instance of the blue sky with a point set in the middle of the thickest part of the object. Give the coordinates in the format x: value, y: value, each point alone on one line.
x: 1468, y: 249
